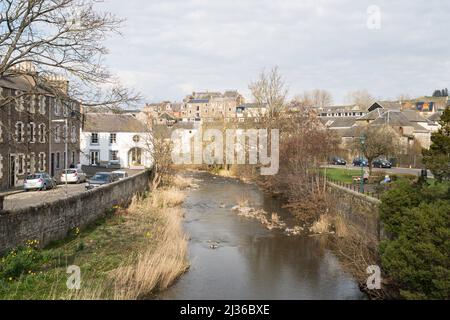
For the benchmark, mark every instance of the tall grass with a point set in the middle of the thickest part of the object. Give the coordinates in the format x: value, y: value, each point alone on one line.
x: 161, y: 259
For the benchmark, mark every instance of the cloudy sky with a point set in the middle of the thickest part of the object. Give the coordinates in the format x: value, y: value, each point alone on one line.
x: 171, y: 47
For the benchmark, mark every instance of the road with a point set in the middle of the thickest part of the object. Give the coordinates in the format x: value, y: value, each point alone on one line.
x: 413, y: 171
x: 33, y: 198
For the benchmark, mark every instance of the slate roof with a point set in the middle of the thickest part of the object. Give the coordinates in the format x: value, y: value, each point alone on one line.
x: 390, y: 105
x: 435, y: 116
x: 397, y: 119
x: 111, y: 122
x: 198, y: 101
x: 342, y: 123
x: 372, y: 115
x: 414, y: 116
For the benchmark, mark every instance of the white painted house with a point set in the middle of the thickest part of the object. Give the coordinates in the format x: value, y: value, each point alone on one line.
x: 114, y: 140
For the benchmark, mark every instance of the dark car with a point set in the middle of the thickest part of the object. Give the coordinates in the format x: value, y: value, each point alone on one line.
x: 360, y: 162
x: 100, y: 179
x: 381, y: 163
x: 338, y: 161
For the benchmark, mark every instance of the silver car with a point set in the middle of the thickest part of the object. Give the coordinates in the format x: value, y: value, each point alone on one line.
x: 39, y: 181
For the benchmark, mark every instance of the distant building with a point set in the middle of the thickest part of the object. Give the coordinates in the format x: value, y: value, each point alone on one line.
x: 211, y: 106
x: 341, y: 111
x: 115, y: 140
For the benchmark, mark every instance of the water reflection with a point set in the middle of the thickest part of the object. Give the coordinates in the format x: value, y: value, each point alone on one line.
x: 252, y: 262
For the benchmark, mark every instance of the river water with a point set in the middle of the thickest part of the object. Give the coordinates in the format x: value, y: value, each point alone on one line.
x: 251, y: 262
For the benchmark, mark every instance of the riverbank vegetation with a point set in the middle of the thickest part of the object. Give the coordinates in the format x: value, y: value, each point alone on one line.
x: 130, y: 254
x: 416, y: 255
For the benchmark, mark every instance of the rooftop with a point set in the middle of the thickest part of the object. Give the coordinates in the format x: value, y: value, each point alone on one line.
x: 110, y: 122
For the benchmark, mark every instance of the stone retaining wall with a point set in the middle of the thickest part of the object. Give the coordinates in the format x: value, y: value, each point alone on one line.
x: 53, y: 221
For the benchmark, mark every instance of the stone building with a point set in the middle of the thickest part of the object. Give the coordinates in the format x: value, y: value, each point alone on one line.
x: 211, y: 106
x: 30, y: 138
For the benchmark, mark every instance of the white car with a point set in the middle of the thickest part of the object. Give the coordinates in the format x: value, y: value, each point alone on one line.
x: 120, y: 174
x: 73, y: 176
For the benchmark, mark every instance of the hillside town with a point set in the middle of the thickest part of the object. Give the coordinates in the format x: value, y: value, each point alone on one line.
x: 34, y: 131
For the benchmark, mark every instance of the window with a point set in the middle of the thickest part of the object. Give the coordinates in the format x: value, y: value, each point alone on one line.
x: 32, y: 106
x: 57, y: 107
x: 19, y: 131
x: 57, y: 134
x: 42, y: 133
x: 136, y: 138
x: 94, y: 138
x: 112, y: 138
x: 32, y: 128
x: 41, y: 160
x: 21, y: 164
x: 41, y: 104
x: 58, y: 160
x: 19, y: 101
x: 32, y: 163
x: 64, y: 159
x: 1, y: 166
x: 74, y: 134
x: 113, y: 155
x: 73, y: 157
x: 198, y: 108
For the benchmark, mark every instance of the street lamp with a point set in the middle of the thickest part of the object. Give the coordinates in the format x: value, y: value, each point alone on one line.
x: 362, y: 140
x: 66, y: 133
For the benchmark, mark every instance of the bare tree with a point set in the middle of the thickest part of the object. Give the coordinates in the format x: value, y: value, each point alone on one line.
x: 159, y: 145
x: 269, y: 93
x: 378, y: 141
x: 41, y: 38
x: 317, y: 98
x: 361, y: 98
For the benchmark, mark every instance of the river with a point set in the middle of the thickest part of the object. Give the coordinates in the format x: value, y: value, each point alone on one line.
x: 251, y: 262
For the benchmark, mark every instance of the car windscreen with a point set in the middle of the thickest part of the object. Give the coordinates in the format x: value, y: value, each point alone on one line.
x: 34, y: 176
x: 101, y: 176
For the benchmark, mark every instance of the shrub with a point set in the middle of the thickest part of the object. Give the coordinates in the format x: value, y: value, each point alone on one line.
x: 23, y: 260
x: 417, y: 255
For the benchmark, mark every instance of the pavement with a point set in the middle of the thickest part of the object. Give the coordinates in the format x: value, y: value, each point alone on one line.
x: 395, y: 170
x: 18, y: 199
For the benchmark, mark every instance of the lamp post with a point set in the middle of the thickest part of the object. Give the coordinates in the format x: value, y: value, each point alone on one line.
x: 362, y: 140
x: 66, y: 133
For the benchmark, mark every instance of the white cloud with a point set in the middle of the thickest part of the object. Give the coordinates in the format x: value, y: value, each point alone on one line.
x: 172, y: 47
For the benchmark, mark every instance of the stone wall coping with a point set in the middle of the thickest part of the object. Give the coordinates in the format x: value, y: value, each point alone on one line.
x: 71, y: 198
x: 354, y: 193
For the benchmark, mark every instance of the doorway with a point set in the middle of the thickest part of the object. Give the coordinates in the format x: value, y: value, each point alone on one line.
x: 12, y: 171
x: 94, y: 158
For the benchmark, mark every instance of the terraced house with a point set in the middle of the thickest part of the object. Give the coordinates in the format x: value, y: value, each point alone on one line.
x: 34, y: 127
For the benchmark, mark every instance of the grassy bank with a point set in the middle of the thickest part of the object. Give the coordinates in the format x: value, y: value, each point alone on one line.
x: 129, y: 254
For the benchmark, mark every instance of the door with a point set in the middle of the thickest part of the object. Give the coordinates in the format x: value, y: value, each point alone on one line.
x: 94, y: 158
x: 12, y: 171
x: 52, y: 165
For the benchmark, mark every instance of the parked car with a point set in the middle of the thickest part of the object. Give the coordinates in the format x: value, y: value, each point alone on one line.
x: 381, y: 163
x: 338, y: 161
x: 39, y: 181
x: 121, y: 174
x: 100, y: 179
x: 73, y: 176
x: 360, y: 162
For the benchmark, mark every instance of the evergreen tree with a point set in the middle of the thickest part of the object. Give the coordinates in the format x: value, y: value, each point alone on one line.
x: 437, y: 159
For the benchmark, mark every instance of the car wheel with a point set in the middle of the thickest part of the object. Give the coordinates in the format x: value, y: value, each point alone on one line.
x: 44, y: 187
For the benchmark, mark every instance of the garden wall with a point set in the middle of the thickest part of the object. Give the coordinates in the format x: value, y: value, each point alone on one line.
x: 53, y: 221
